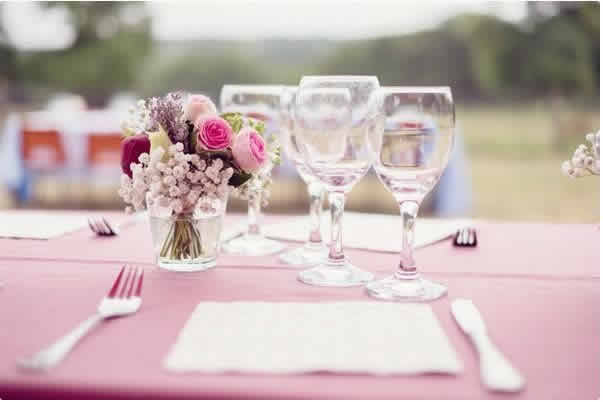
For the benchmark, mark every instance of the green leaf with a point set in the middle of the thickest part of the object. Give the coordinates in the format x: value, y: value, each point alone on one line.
x: 239, y: 178
x: 259, y: 126
x: 234, y: 119
x: 276, y: 156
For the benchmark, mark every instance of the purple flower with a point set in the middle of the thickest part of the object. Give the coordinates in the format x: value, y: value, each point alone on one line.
x: 168, y: 113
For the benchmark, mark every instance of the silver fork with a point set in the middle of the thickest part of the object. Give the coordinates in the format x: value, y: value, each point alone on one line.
x: 465, y: 237
x: 123, y: 299
x: 102, y: 227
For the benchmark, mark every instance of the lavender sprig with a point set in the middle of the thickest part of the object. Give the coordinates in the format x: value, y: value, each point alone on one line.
x: 169, y: 114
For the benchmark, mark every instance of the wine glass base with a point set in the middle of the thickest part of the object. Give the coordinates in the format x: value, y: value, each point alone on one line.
x: 252, y: 246
x: 405, y: 290
x: 304, y: 256
x: 326, y: 274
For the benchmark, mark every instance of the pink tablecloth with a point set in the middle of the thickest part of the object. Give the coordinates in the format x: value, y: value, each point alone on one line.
x: 537, y: 286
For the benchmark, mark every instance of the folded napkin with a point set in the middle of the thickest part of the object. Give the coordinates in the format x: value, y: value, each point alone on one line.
x: 369, y: 231
x: 344, y: 337
x: 39, y: 225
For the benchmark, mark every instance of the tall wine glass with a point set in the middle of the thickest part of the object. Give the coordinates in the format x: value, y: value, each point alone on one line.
x: 260, y: 102
x: 314, y: 251
x: 335, y: 136
x: 418, y: 138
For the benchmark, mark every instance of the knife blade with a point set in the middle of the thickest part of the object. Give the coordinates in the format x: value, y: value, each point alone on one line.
x: 496, y: 371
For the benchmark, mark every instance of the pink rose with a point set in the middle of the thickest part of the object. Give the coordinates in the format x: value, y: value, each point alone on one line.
x: 198, y: 105
x: 249, y: 150
x: 131, y: 148
x: 214, y: 133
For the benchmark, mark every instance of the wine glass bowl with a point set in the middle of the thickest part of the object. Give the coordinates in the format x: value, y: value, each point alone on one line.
x: 416, y: 145
x: 334, y: 142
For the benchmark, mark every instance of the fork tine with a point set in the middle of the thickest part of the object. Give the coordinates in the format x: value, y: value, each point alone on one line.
x: 91, y: 226
x: 139, y: 288
x: 124, y: 288
x: 106, y: 229
x: 99, y: 228
x: 115, y: 286
x: 109, y: 227
x: 133, y: 282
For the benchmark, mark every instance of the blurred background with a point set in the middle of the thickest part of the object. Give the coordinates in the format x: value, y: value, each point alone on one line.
x: 524, y: 75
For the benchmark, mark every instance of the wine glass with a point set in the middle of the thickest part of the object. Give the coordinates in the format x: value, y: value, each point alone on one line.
x: 314, y: 251
x: 261, y: 102
x: 335, y: 121
x: 418, y: 138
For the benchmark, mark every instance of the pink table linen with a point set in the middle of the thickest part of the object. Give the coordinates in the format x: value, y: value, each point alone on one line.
x: 537, y: 286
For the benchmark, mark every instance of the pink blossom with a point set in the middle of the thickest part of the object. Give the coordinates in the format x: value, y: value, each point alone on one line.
x: 249, y: 150
x: 214, y: 133
x: 198, y: 105
x: 131, y: 148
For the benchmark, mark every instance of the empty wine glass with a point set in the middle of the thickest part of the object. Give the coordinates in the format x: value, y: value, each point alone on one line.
x: 418, y: 138
x: 335, y: 120
x: 314, y: 251
x: 261, y: 102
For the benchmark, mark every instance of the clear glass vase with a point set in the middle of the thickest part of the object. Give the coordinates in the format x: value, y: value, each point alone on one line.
x: 189, y: 241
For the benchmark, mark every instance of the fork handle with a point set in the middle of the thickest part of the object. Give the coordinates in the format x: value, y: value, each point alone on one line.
x: 55, y: 353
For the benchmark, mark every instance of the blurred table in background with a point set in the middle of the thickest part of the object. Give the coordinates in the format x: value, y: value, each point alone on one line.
x: 76, y: 145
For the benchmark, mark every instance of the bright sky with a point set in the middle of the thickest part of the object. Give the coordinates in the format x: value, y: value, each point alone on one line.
x: 31, y: 28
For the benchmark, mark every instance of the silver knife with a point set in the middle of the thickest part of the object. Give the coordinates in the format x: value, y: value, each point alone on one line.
x: 497, y: 373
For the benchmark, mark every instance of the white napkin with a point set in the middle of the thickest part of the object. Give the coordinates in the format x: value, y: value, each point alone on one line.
x: 38, y: 225
x: 346, y: 337
x: 369, y: 231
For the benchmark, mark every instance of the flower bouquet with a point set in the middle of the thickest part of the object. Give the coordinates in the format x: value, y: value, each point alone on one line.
x: 180, y: 159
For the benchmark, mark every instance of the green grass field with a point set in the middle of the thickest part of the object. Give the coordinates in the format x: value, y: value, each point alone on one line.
x: 515, y: 154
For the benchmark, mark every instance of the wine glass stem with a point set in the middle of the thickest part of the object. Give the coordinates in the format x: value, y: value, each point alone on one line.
x: 407, y: 268
x: 254, y: 213
x: 315, y: 190
x: 336, y: 204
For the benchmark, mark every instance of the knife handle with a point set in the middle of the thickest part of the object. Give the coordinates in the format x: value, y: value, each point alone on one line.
x: 496, y: 371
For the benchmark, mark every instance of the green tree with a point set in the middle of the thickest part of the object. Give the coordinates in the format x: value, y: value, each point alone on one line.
x: 425, y: 58
x: 202, y: 71
x: 110, y: 45
x: 8, y: 56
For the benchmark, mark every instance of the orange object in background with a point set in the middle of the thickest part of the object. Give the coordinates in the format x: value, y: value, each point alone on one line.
x: 104, y: 149
x: 42, y: 149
